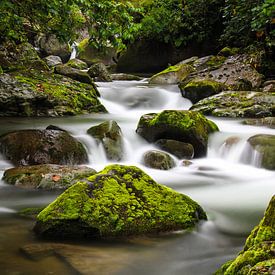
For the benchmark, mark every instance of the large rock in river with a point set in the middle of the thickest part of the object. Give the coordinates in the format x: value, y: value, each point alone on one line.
x: 237, y: 104
x: 118, y: 201
x: 258, y: 256
x: 30, y: 147
x: 186, y: 126
x: 264, y: 145
x: 45, y: 94
x: 47, y: 176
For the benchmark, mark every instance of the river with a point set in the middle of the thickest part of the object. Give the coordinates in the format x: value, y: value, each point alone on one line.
x: 227, y: 184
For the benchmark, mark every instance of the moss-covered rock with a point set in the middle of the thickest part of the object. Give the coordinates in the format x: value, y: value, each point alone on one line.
x: 186, y: 126
x: 109, y: 134
x: 20, y: 57
x: 1, y: 70
x: 172, y: 75
x: 47, y: 176
x: 118, y: 201
x: 30, y: 147
x: 227, y: 51
x: 45, y: 94
x: 158, y: 160
x: 125, y: 77
x: 265, y: 146
x: 198, y: 89
x: 235, y: 72
x: 73, y: 73
x: 177, y: 148
x: 77, y: 64
x: 237, y: 104
x: 257, y: 257
x: 91, y: 55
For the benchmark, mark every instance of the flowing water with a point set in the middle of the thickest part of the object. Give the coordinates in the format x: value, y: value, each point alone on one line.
x: 227, y: 183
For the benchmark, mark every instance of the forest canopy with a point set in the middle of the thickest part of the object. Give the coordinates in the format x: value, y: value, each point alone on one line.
x: 231, y: 22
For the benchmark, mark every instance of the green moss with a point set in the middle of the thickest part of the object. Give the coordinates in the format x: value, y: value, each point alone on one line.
x: 74, y: 97
x: 82, y: 45
x: 227, y: 51
x: 122, y: 200
x: 1, y: 70
x: 258, y: 252
x: 215, y: 62
x: 77, y: 64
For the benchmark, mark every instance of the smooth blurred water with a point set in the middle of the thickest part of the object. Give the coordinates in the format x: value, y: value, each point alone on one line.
x: 230, y: 187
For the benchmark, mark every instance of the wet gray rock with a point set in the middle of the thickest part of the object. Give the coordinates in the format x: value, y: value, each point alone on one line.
x: 177, y: 148
x: 73, y: 73
x: 125, y: 77
x: 47, y: 176
x: 31, y: 147
x: 265, y: 121
x: 109, y: 134
x: 265, y: 146
x: 53, y: 60
x: 99, y: 73
x: 158, y: 160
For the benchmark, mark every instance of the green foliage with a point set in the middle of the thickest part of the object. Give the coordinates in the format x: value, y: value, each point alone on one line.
x: 179, y: 22
x: 245, y: 18
x: 109, y: 22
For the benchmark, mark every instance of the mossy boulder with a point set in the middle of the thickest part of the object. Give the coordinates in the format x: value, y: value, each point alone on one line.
x: 185, y: 126
x: 237, y: 104
x: 158, y: 160
x: 47, y: 176
x: 31, y: 147
x: 77, y: 64
x: 118, y: 201
x: 99, y: 73
x: 234, y: 72
x: 110, y: 136
x: 172, y: 75
x: 265, y: 121
x: 198, y: 89
x: 73, y: 73
x: 257, y: 257
x: 91, y: 55
x: 20, y: 57
x: 32, y: 94
x: 179, y: 149
x: 264, y: 145
x: 227, y: 51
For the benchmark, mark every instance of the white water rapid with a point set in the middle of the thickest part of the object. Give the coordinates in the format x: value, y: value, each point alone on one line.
x: 228, y: 183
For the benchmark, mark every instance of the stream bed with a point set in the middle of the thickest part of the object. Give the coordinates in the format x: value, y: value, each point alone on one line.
x: 227, y: 184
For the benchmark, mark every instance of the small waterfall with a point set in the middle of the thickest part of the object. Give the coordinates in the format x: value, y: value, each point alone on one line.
x: 74, y: 50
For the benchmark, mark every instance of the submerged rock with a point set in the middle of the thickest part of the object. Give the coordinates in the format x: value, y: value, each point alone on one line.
x: 30, y: 147
x: 177, y: 148
x: 47, y: 176
x: 257, y: 257
x: 237, y: 104
x: 185, y: 126
x: 265, y: 146
x: 125, y: 77
x: 158, y: 160
x: 45, y: 94
x: 265, y: 121
x: 118, y: 201
x: 110, y: 135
